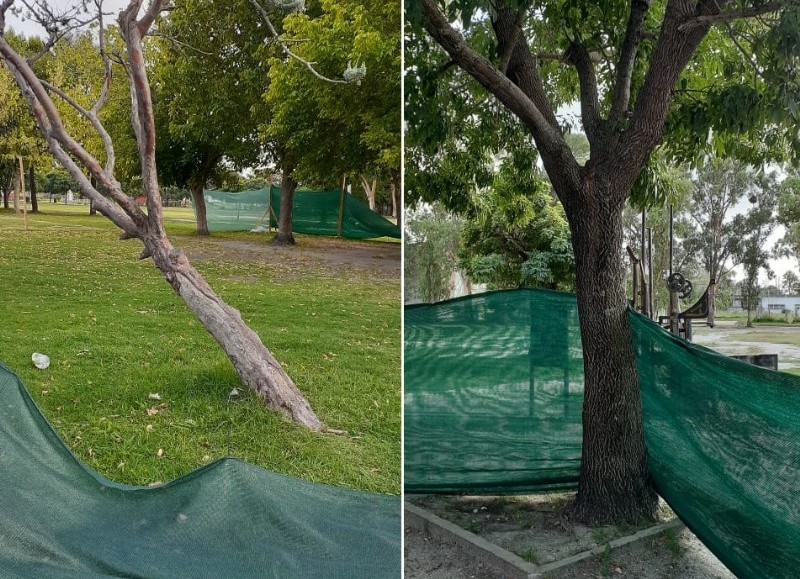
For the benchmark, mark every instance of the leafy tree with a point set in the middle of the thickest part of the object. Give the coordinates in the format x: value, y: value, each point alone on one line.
x: 255, y: 364
x: 790, y: 283
x: 789, y: 215
x: 216, y: 49
x: 642, y: 71
x: 517, y: 236
x: 322, y: 130
x: 431, y: 243
x: 749, y: 249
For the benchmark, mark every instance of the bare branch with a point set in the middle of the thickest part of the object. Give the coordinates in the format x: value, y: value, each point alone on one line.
x: 156, y: 8
x: 287, y: 51
x: 177, y: 42
x: 91, y: 116
x: 57, y: 25
x: 731, y: 15
x: 627, y: 60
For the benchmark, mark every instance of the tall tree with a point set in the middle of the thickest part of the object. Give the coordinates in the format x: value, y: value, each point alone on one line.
x: 624, y: 61
x: 321, y: 129
x: 790, y: 283
x: 256, y: 365
x: 216, y: 49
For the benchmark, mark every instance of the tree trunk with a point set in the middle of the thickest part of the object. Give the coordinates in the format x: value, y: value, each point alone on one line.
x: 6, y: 193
x: 369, y: 190
x: 92, y: 208
x: 199, y: 207
x: 32, y: 181
x: 614, y: 483
x: 288, y: 186
x: 255, y: 364
x: 397, y: 205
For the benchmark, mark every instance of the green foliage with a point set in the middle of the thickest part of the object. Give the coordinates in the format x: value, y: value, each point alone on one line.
x: 431, y: 243
x: 517, y: 236
x: 789, y: 214
x: 207, y: 90
x: 790, y: 283
x: 322, y: 129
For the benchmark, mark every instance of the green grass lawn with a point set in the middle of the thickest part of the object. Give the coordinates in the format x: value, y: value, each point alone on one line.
x: 117, y: 335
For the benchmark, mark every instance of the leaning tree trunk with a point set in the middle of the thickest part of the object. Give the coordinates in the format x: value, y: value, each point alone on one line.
x: 32, y: 181
x: 614, y: 483
x: 288, y: 187
x: 255, y: 364
x: 199, y: 208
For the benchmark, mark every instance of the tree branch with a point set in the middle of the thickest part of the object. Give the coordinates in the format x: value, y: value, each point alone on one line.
x: 558, y: 160
x: 731, y: 15
x: 287, y: 51
x: 578, y: 56
x: 627, y: 60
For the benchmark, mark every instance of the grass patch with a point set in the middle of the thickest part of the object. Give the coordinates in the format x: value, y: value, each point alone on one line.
x: 116, y: 333
x: 791, y: 338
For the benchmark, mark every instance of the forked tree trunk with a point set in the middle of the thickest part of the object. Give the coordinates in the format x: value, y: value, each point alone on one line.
x: 288, y: 187
x: 199, y: 208
x: 32, y: 181
x: 614, y: 483
x: 256, y: 366
x: 370, y: 190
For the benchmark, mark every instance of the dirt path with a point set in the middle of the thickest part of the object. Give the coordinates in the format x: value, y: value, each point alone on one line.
x: 317, y: 253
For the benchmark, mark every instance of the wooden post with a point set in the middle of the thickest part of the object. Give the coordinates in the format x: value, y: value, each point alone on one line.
x: 22, y: 190
x: 341, y: 206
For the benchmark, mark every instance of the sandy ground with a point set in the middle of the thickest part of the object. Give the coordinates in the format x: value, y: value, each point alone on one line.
x: 680, y: 556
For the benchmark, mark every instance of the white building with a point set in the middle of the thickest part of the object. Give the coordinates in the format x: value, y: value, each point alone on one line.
x: 773, y: 305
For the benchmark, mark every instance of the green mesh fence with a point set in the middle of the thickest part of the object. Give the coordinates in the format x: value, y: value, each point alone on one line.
x: 493, y: 393
x: 228, y: 519
x: 313, y: 213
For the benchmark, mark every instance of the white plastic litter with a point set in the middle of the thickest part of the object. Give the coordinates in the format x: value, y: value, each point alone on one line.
x: 259, y: 229
x: 40, y: 360
x: 234, y: 393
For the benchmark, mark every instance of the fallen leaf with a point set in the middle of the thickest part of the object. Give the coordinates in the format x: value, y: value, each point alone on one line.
x: 160, y: 453
x: 148, y: 428
x: 152, y: 411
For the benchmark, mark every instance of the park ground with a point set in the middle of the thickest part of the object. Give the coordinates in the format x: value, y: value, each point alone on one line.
x: 534, y: 527
x: 141, y: 393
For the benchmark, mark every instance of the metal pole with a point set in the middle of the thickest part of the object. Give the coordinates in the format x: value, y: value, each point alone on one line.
x: 341, y: 206
x: 650, y: 271
x: 671, y: 234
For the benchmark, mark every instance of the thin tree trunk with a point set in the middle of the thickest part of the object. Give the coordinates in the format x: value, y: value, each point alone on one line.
x: 16, y: 194
x: 32, y: 181
x: 199, y: 207
x: 92, y: 208
x: 370, y: 189
x: 6, y: 193
x: 614, y: 483
x: 288, y: 186
x: 255, y: 364
x: 397, y: 205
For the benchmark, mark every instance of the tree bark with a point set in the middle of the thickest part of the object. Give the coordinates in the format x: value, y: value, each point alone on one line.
x: 92, y: 208
x: 199, y: 207
x: 614, y: 483
x: 288, y: 187
x: 6, y: 193
x: 255, y: 364
x: 369, y: 190
x: 32, y: 181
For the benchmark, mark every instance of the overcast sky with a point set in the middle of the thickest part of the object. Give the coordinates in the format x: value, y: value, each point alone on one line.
x: 29, y: 28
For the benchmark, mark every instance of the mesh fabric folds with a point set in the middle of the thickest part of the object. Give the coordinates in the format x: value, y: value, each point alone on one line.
x: 723, y: 439
x: 493, y: 395
x: 313, y: 213
x: 59, y: 519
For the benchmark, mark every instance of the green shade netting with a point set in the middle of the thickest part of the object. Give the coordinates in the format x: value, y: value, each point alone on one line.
x: 313, y: 213
x: 493, y: 393
x: 58, y: 518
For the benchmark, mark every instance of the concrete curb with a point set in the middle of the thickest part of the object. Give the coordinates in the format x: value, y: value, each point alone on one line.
x: 505, y: 562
